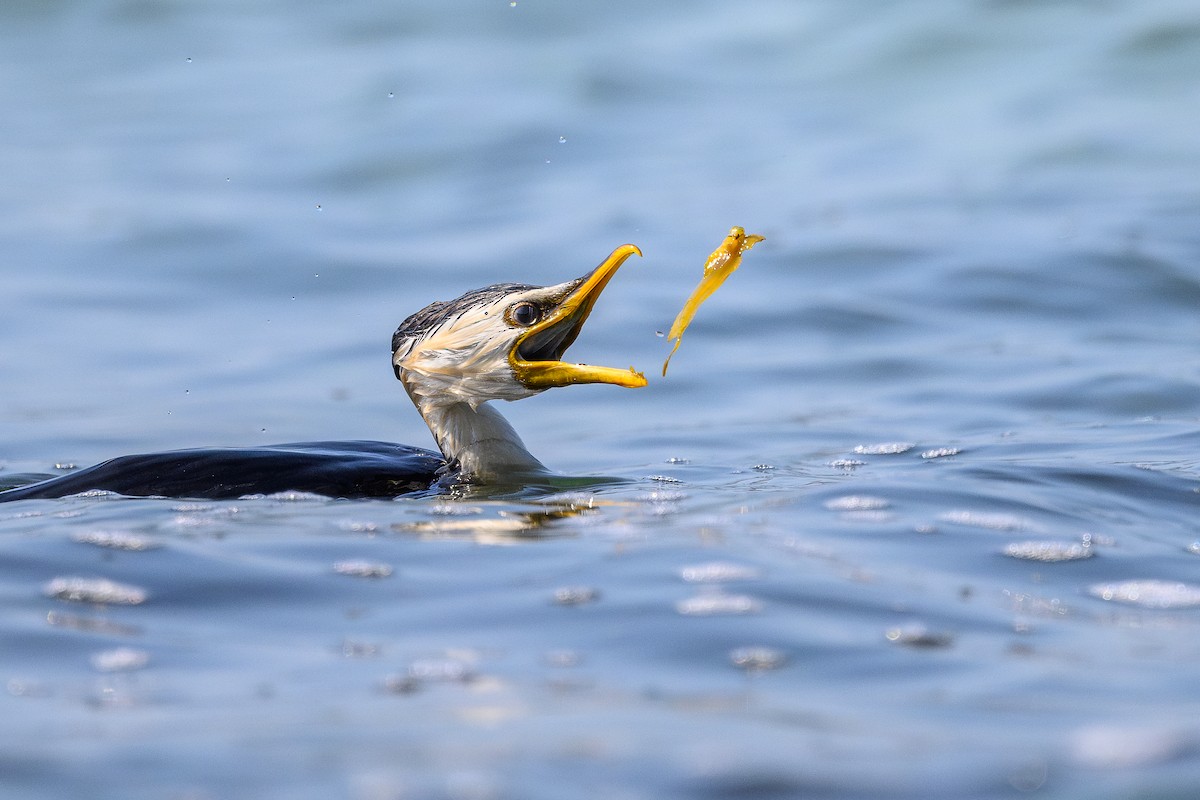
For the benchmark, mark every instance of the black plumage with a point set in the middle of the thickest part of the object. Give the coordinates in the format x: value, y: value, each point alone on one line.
x: 359, y: 469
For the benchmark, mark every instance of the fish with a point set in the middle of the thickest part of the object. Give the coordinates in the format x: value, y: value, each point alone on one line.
x: 719, y: 266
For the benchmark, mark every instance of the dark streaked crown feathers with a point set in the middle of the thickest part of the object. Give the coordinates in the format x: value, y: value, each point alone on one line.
x: 431, y: 316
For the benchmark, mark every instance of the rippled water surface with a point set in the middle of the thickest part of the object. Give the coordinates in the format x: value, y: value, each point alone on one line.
x: 914, y: 514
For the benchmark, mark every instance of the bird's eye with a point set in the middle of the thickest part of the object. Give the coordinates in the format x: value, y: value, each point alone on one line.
x: 526, y: 313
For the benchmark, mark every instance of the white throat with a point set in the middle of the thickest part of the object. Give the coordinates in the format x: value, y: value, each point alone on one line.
x: 476, y: 438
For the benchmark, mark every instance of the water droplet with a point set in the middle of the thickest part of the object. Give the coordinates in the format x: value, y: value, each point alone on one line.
x: 450, y: 670
x: 454, y: 510
x: 512, y: 4
x: 318, y: 206
x: 856, y: 502
x: 883, y: 448
x: 918, y: 636
x: 356, y: 649
x: 718, y: 572
x: 94, y: 590
x: 120, y: 659
x: 562, y: 140
x: 188, y: 60
x: 1049, y: 552
x: 115, y: 540
x: 988, y: 521
x: 358, y: 568
x: 1149, y: 593
x: 757, y: 659
x: 659, y: 334
x: 547, y: 161
x: 718, y: 603
x: 391, y: 95
x: 575, y: 595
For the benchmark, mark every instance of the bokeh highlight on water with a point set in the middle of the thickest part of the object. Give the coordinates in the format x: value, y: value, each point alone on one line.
x: 914, y: 514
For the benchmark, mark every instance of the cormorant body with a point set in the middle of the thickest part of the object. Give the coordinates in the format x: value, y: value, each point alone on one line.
x: 334, y: 469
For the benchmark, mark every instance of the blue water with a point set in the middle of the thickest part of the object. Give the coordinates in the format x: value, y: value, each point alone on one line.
x: 914, y: 514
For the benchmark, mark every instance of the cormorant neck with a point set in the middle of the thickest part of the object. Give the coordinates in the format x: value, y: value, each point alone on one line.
x: 477, y: 439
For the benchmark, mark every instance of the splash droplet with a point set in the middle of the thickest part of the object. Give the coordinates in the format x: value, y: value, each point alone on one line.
x: 358, y: 568
x: 757, y: 659
x: 918, y: 636
x: 115, y: 540
x: 1049, y: 552
x: 120, y: 659
x: 856, y: 502
x: 95, y: 591
x: 717, y: 603
x: 883, y: 448
x: 575, y: 595
x: 562, y: 140
x: 998, y: 521
x: 718, y: 572
x: 1149, y: 593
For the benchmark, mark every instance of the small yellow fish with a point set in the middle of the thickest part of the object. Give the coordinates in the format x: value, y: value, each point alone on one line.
x: 720, y: 265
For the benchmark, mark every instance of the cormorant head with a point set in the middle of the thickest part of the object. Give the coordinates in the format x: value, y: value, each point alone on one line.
x: 504, y: 342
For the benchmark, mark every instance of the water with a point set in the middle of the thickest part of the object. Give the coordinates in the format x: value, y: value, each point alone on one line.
x: 965, y: 349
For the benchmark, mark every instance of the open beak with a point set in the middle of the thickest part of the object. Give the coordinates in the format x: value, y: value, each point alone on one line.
x: 535, y: 358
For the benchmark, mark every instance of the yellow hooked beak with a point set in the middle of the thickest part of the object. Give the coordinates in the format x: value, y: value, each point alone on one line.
x: 535, y: 356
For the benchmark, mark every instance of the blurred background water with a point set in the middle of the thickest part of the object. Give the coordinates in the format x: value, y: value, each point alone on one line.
x: 913, y: 515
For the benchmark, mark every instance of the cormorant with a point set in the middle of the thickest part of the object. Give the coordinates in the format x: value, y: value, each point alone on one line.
x: 501, y: 342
